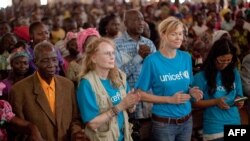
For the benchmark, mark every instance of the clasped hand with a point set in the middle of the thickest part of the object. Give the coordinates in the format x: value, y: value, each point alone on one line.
x: 180, y: 97
x: 196, y: 93
x: 131, y: 99
x: 221, y: 103
x: 144, y: 51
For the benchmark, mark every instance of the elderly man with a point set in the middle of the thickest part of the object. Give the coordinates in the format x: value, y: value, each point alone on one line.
x: 47, y: 100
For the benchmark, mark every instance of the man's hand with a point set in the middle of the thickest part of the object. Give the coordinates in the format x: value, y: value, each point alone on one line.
x: 35, y: 134
x: 144, y: 50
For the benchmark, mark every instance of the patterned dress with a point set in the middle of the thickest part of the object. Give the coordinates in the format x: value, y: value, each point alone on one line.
x: 6, y: 115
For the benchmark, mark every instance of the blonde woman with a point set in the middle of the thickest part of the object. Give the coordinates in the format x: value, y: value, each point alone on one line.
x: 102, y: 94
x: 168, y: 72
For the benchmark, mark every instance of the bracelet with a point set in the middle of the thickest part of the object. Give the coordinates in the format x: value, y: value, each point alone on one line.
x: 112, y: 113
x: 115, y: 110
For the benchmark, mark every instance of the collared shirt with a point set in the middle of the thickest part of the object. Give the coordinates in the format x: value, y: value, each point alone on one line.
x: 130, y: 62
x: 127, y: 57
x: 49, y: 90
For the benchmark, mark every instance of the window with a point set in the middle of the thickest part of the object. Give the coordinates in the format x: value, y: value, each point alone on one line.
x: 5, y: 3
x: 181, y: 1
x: 43, y: 2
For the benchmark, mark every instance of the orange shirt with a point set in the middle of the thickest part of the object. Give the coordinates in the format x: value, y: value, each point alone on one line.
x: 49, y: 91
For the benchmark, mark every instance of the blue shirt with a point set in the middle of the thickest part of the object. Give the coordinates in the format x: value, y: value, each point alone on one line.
x: 215, y: 118
x: 127, y: 57
x: 166, y: 77
x: 88, y: 105
x: 130, y: 62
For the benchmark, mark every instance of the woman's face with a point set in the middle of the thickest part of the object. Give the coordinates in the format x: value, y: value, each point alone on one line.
x: 174, y: 39
x: 104, y: 58
x: 20, y: 65
x: 113, y: 27
x: 72, y: 47
x: 9, y: 42
x: 200, y: 19
x: 40, y: 34
x: 223, y: 61
x: 4, y: 28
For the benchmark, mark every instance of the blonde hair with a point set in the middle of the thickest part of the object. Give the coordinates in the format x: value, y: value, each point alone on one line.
x: 88, y: 65
x: 167, y: 26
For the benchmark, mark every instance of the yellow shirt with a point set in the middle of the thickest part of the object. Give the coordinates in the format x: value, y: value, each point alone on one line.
x: 57, y: 35
x: 49, y: 91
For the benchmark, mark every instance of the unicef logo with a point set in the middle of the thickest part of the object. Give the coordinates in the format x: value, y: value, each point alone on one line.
x: 185, y: 74
x: 174, y: 77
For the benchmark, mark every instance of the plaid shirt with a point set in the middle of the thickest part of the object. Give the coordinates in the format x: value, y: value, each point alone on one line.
x: 128, y: 59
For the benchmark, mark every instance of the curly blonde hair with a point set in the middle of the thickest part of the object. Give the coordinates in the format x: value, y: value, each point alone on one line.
x: 88, y: 65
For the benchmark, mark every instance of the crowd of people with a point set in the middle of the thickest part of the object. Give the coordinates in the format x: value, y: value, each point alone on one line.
x: 114, y: 72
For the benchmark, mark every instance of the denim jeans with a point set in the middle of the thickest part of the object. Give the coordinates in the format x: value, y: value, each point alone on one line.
x: 172, y: 132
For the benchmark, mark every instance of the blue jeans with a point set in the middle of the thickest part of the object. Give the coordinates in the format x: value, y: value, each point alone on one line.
x: 172, y: 132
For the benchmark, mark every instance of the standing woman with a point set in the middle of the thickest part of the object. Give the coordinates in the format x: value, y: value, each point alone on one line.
x: 19, y: 62
x: 102, y: 94
x: 221, y: 84
x: 168, y: 72
x: 109, y: 26
x: 39, y: 32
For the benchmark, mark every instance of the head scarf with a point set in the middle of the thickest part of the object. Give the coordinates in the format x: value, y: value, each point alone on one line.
x: 22, y: 32
x: 225, y: 11
x: 70, y: 36
x: 217, y: 35
x: 18, y: 52
x: 83, y: 35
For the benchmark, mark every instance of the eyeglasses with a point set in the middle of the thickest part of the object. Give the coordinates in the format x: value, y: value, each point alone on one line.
x: 109, y: 53
x: 228, y: 61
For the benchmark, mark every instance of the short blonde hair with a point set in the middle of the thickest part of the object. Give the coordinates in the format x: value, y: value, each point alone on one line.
x: 167, y: 26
